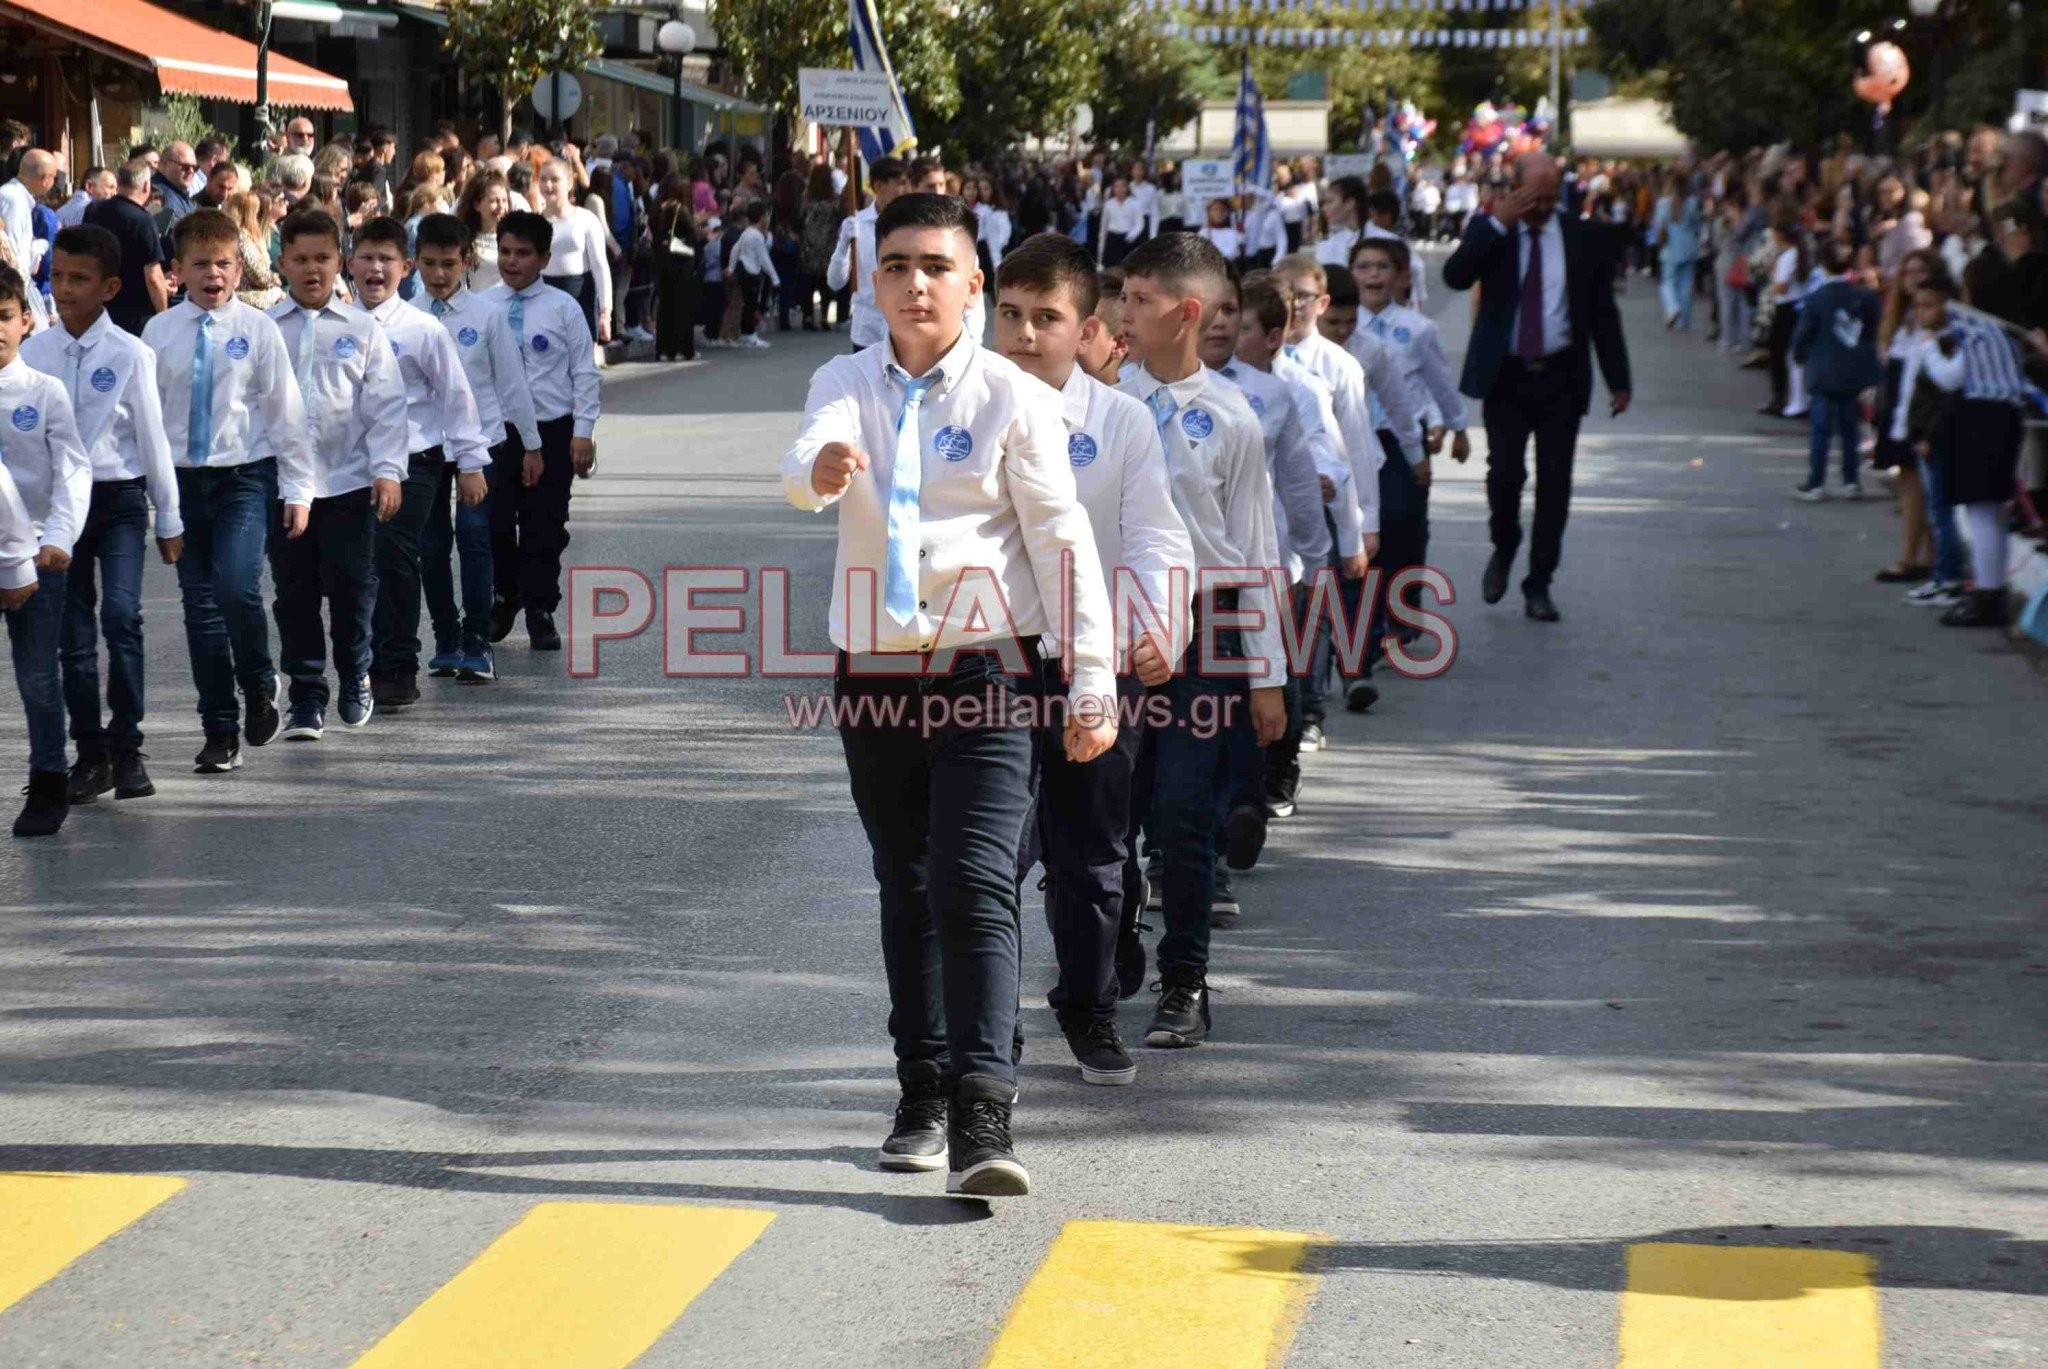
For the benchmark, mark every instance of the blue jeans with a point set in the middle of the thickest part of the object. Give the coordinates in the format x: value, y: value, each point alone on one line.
x: 228, y: 512
x: 1832, y: 414
x: 331, y: 561
x: 33, y: 631
x: 396, y: 652
x: 1191, y: 785
x: 468, y: 536
x: 1941, y: 520
x: 1675, y: 288
x: 111, y: 548
x: 944, y: 814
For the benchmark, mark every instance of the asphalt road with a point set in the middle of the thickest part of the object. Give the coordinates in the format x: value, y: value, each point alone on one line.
x: 1710, y: 917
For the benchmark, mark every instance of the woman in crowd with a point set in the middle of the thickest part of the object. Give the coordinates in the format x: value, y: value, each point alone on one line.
x: 1790, y: 266
x: 678, y: 250
x: 259, y: 288
x: 785, y: 247
x: 598, y: 198
x: 1675, y: 232
x: 486, y: 199
x: 992, y: 238
x: 579, y: 264
x: 818, y: 236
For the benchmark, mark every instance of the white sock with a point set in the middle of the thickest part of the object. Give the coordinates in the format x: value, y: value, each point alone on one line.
x: 1987, y: 543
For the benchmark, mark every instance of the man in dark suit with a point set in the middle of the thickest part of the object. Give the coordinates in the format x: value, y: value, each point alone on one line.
x: 1543, y: 316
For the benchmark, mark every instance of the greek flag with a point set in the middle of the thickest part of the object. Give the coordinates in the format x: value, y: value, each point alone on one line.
x: 896, y: 136
x: 1250, y: 150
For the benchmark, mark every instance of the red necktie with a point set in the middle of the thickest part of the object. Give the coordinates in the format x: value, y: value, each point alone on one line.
x: 1529, y: 322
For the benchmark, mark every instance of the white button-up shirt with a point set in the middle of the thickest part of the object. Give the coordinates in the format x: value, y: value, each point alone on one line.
x: 1335, y: 250
x: 1340, y: 370
x: 1425, y: 369
x: 110, y: 378
x: 1120, y: 474
x: 1386, y: 384
x: 440, y: 409
x: 490, y: 357
x: 354, y: 395
x: 258, y: 411
x: 1557, y: 318
x: 996, y: 496
x: 40, y: 446
x: 555, y: 348
x: 1125, y: 218
x: 1216, y: 461
x: 1290, y: 463
x: 1326, y: 440
x: 855, y: 256
x: 17, y: 537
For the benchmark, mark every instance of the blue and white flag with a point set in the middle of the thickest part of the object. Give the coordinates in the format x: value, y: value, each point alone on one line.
x: 896, y: 135
x: 1250, y: 150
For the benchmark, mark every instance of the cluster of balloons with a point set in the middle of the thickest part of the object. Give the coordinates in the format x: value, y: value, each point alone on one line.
x: 1411, y: 129
x: 1505, y: 129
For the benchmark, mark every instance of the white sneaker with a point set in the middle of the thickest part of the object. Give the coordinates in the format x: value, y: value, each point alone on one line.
x: 1852, y: 490
x: 1799, y: 412
x: 755, y: 342
x: 1934, y: 594
x: 1812, y: 494
x: 639, y: 334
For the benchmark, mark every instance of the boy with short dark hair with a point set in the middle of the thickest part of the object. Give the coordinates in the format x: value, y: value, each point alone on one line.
x: 530, y: 528
x: 950, y: 467
x: 1104, y: 352
x: 497, y: 378
x: 1215, y: 457
x: 110, y: 378
x: 355, y: 406
x: 52, y: 478
x: 237, y: 426
x: 854, y: 257
x: 1045, y: 298
x: 441, y: 429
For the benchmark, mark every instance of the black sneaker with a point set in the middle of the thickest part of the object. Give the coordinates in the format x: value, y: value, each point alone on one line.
x: 1360, y: 695
x: 395, y: 691
x: 1223, y: 898
x: 979, y: 1158
x: 49, y: 799
x: 504, y: 613
x: 131, y: 776
x: 222, y: 753
x: 307, y: 723
x: 90, y: 778
x: 1182, y: 1017
x: 1279, y: 806
x: 260, y: 718
x: 1099, y: 1050
x: 1312, y: 737
x: 1244, y: 836
x: 1130, y: 958
x: 355, y: 702
x: 540, y: 631
x: 917, y: 1140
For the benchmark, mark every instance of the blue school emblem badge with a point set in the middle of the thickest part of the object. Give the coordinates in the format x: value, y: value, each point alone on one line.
x: 1197, y: 423
x: 25, y: 418
x: 237, y: 349
x: 467, y: 337
x: 1081, y: 449
x: 345, y: 347
x: 953, y: 443
x: 396, y: 350
x: 1403, y: 335
x: 104, y: 379
x: 540, y: 342
x: 1258, y: 405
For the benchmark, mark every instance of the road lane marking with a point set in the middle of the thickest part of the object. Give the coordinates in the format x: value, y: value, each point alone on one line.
x: 1748, y: 1307
x: 1135, y: 1295
x: 572, y: 1286
x: 49, y: 1220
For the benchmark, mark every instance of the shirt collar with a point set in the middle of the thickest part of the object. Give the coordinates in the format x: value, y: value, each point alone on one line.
x: 1144, y: 383
x: 1075, y: 394
x: 90, y: 338
x: 388, y: 310
x: 949, y: 367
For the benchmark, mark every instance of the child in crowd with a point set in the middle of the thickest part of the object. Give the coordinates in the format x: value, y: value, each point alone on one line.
x: 497, y: 379
x: 1045, y: 317
x: 355, y: 407
x: 1221, y: 233
x: 110, y: 378
x: 49, y: 489
x: 530, y: 522
x: 237, y: 426
x: 1835, y: 342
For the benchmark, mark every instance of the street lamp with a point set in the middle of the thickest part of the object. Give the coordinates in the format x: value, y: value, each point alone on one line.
x: 678, y: 40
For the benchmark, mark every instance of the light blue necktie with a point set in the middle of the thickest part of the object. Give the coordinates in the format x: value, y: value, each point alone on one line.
x: 199, y: 424
x: 515, y: 315
x: 1379, y: 413
x: 906, y: 477
x: 74, y: 354
x: 1163, y: 406
x: 440, y: 307
x: 1293, y: 350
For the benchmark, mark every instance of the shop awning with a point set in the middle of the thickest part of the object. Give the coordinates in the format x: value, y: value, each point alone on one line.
x: 641, y: 78
x: 187, y: 57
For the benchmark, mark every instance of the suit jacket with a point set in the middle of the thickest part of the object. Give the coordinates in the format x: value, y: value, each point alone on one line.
x: 1491, y: 259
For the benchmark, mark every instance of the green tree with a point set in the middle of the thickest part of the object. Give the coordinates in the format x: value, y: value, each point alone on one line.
x: 510, y: 44
x: 1141, y: 74
x: 1022, y: 66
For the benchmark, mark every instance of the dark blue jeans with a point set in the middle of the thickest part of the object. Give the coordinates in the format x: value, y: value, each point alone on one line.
x: 33, y: 631
x: 330, y: 561
x: 943, y: 814
x: 1832, y: 414
x: 468, y: 535
x: 1941, y: 518
x: 105, y: 590
x: 396, y: 655
x: 228, y: 512
x: 1191, y: 785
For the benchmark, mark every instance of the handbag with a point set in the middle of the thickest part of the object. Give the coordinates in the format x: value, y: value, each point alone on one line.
x: 678, y: 245
x: 1738, y: 274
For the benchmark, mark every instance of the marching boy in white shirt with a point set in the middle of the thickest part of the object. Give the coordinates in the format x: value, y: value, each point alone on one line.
x: 111, y: 379
x: 240, y: 441
x: 355, y: 406
x: 530, y: 516
x: 1045, y: 304
x: 853, y: 259
x: 52, y: 479
x: 497, y: 378
x: 960, y: 535
x: 1215, y: 457
x: 441, y: 428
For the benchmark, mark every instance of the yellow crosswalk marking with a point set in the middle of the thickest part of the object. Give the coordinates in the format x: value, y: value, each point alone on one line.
x: 572, y: 1286
x: 1748, y: 1307
x: 49, y: 1220
x: 1134, y: 1295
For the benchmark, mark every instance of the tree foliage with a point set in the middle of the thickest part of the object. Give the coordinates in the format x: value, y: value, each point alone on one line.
x: 510, y: 44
